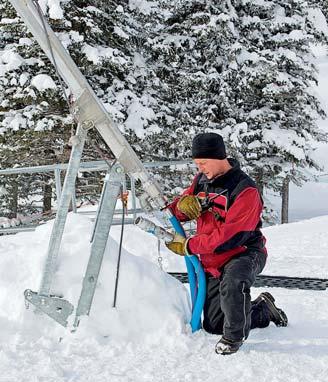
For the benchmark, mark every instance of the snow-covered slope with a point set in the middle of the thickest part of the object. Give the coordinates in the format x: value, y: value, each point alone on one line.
x: 145, y: 338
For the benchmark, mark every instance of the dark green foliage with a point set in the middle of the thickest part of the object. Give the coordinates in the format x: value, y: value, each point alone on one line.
x: 274, y: 109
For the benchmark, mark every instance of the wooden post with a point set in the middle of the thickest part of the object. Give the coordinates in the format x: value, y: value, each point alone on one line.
x: 13, y: 201
x: 47, y: 196
x: 285, y: 200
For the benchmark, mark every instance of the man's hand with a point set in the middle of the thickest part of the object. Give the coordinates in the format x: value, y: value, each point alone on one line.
x: 190, y: 206
x: 178, y: 245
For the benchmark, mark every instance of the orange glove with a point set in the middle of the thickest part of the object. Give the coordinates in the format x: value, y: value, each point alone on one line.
x: 190, y: 206
x: 178, y: 245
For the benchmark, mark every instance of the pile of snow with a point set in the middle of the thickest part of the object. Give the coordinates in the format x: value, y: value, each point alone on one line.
x: 145, y: 293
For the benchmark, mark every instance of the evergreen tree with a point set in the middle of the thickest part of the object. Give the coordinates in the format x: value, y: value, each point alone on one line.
x: 271, y: 80
x: 166, y: 71
x: 35, y: 123
x: 32, y: 124
x: 186, y: 54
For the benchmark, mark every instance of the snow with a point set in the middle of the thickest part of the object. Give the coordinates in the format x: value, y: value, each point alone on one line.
x: 146, y: 338
x: 319, y: 20
x: 13, y: 122
x: 138, y: 118
x: 53, y: 8
x: 9, y: 60
x: 119, y: 9
x: 138, y: 281
x: 25, y: 41
x: 303, y: 247
x: 5, y: 20
x: 118, y: 31
x: 23, y: 78
x: 143, y: 6
x: 96, y: 54
x: 68, y: 38
x: 43, y: 82
x: 55, y: 11
x: 284, y: 139
x: 245, y: 56
x: 6, y: 222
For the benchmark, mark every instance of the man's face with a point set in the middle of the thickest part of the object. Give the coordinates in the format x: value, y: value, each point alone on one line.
x: 211, y: 167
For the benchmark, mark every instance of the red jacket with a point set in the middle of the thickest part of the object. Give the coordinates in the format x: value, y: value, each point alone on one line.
x: 231, y: 224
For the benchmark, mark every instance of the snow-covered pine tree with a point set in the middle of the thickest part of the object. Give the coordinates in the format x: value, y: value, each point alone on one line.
x: 245, y: 69
x: 32, y: 122
x: 128, y: 94
x: 35, y: 122
x: 190, y: 50
x: 134, y: 99
x: 187, y: 49
x: 274, y: 105
x: 97, y: 45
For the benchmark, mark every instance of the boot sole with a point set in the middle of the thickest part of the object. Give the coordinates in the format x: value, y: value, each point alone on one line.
x: 225, y: 351
x: 280, y: 318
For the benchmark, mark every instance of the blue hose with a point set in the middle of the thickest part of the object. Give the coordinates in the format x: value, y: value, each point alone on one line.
x: 195, y: 272
x: 198, y: 306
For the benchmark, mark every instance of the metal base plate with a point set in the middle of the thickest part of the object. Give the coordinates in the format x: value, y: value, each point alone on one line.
x: 55, y: 307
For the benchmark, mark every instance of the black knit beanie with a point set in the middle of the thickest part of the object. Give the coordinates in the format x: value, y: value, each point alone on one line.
x: 208, y: 145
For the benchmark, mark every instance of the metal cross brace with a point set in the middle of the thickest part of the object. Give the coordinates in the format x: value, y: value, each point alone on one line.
x: 111, y: 191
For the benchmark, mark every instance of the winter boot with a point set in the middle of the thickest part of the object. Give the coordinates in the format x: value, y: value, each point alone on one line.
x: 277, y: 316
x: 226, y: 347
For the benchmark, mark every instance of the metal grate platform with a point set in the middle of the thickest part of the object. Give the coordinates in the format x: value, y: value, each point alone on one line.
x: 275, y: 281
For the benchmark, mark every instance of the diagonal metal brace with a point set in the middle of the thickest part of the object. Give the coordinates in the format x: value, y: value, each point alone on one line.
x: 55, y: 307
x: 62, y: 209
x: 111, y: 191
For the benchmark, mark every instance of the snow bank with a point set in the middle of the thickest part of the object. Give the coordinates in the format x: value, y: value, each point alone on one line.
x: 150, y: 303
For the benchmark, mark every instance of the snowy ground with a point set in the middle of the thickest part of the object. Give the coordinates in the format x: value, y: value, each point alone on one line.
x: 146, y: 337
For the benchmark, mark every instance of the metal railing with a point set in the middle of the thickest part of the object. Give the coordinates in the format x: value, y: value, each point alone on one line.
x: 91, y: 166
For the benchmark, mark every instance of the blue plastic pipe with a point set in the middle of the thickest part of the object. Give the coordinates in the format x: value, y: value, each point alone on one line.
x: 197, y: 281
x: 198, y: 306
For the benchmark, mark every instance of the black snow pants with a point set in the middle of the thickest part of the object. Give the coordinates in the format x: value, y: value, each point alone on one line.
x: 228, y: 309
